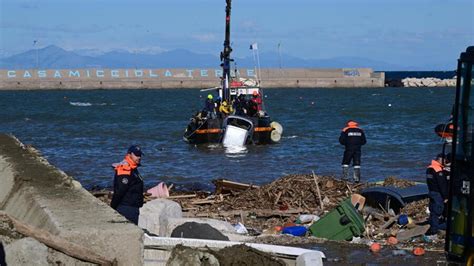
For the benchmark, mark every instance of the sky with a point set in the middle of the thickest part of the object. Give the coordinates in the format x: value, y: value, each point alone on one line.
x: 402, y: 32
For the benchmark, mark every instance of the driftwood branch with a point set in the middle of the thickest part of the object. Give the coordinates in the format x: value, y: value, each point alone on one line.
x: 258, y: 212
x: 59, y: 243
x: 319, y: 191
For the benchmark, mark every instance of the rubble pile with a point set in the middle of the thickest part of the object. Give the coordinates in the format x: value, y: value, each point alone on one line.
x: 396, y: 182
x: 290, y: 192
x: 268, y: 209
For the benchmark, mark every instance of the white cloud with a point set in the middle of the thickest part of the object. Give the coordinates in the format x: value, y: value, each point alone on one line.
x: 205, y: 37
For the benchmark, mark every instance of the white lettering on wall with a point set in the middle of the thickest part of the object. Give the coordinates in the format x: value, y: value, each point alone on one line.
x: 57, y: 74
x: 42, y: 73
x: 114, y: 73
x: 74, y: 73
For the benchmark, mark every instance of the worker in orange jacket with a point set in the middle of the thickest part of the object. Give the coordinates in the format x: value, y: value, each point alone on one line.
x: 437, y: 181
x: 128, y: 185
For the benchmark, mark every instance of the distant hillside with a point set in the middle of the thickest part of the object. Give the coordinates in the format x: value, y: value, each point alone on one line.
x: 52, y: 57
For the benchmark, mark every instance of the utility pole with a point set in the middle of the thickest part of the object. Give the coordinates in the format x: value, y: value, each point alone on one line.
x: 36, y: 50
x: 279, y: 53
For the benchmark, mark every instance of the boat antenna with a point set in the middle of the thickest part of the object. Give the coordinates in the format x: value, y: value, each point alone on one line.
x: 225, y: 55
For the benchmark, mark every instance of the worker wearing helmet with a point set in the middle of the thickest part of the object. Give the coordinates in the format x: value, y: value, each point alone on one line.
x: 209, y: 106
x: 225, y: 109
x: 352, y: 137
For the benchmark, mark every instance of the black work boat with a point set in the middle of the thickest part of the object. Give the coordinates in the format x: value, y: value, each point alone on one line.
x: 249, y: 123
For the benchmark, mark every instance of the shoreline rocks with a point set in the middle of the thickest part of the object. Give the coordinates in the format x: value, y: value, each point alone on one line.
x: 421, y: 82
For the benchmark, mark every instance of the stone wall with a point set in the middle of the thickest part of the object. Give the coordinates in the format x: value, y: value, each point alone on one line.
x: 184, y: 78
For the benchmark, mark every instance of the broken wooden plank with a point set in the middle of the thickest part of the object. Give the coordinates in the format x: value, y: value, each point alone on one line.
x: 417, y: 231
x: 202, y: 202
x: 258, y: 212
x: 227, y: 185
x: 182, y: 196
x: 389, y: 222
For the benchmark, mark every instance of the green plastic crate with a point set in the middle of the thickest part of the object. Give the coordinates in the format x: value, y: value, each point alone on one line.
x: 342, y: 223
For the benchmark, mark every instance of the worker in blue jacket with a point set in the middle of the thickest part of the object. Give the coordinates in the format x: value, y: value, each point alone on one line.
x: 436, y: 179
x: 352, y: 137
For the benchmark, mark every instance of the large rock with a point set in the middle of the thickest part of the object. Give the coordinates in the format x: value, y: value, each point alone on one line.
x: 198, y: 231
x: 166, y: 229
x: 155, y: 213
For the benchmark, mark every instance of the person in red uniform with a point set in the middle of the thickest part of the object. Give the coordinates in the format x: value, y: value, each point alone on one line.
x: 352, y: 137
x: 256, y: 98
x: 128, y: 185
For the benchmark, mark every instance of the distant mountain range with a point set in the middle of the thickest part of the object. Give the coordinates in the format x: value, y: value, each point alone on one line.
x: 53, y: 57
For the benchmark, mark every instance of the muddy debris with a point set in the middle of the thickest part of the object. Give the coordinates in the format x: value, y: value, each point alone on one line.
x: 234, y: 255
x: 265, y: 210
x: 397, y: 182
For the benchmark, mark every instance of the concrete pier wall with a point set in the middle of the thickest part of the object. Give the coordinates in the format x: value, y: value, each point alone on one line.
x: 42, y: 196
x: 184, y: 78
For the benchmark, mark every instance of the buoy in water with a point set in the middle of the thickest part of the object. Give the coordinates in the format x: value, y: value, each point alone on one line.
x: 277, y: 127
x: 275, y: 136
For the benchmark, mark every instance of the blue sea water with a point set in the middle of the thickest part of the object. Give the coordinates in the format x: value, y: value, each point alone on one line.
x: 84, y: 132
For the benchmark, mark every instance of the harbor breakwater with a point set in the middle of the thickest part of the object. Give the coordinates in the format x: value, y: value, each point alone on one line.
x: 184, y: 78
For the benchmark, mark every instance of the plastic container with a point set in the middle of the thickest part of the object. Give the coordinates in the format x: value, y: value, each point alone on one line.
x: 403, y: 219
x: 307, y: 218
x: 342, y: 223
x: 295, y: 230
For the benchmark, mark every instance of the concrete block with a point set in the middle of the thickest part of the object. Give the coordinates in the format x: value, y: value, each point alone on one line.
x: 26, y: 251
x: 309, y: 259
x: 156, y: 212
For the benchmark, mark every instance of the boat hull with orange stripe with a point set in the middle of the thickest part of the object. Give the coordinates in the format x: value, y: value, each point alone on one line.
x: 212, y: 130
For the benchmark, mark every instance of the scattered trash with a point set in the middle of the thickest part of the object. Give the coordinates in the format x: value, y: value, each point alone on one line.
x: 342, y: 223
x: 392, y: 240
x: 427, y: 239
x: 295, y: 230
x: 403, y: 219
x: 159, y: 191
x: 418, y: 251
x: 375, y: 247
x: 357, y: 240
x: 399, y: 252
x: 293, y: 201
x: 240, y: 229
x: 417, y: 231
x: 307, y: 218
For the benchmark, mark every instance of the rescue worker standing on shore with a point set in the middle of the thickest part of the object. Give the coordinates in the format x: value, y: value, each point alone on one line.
x: 436, y: 179
x: 128, y: 185
x: 352, y: 137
